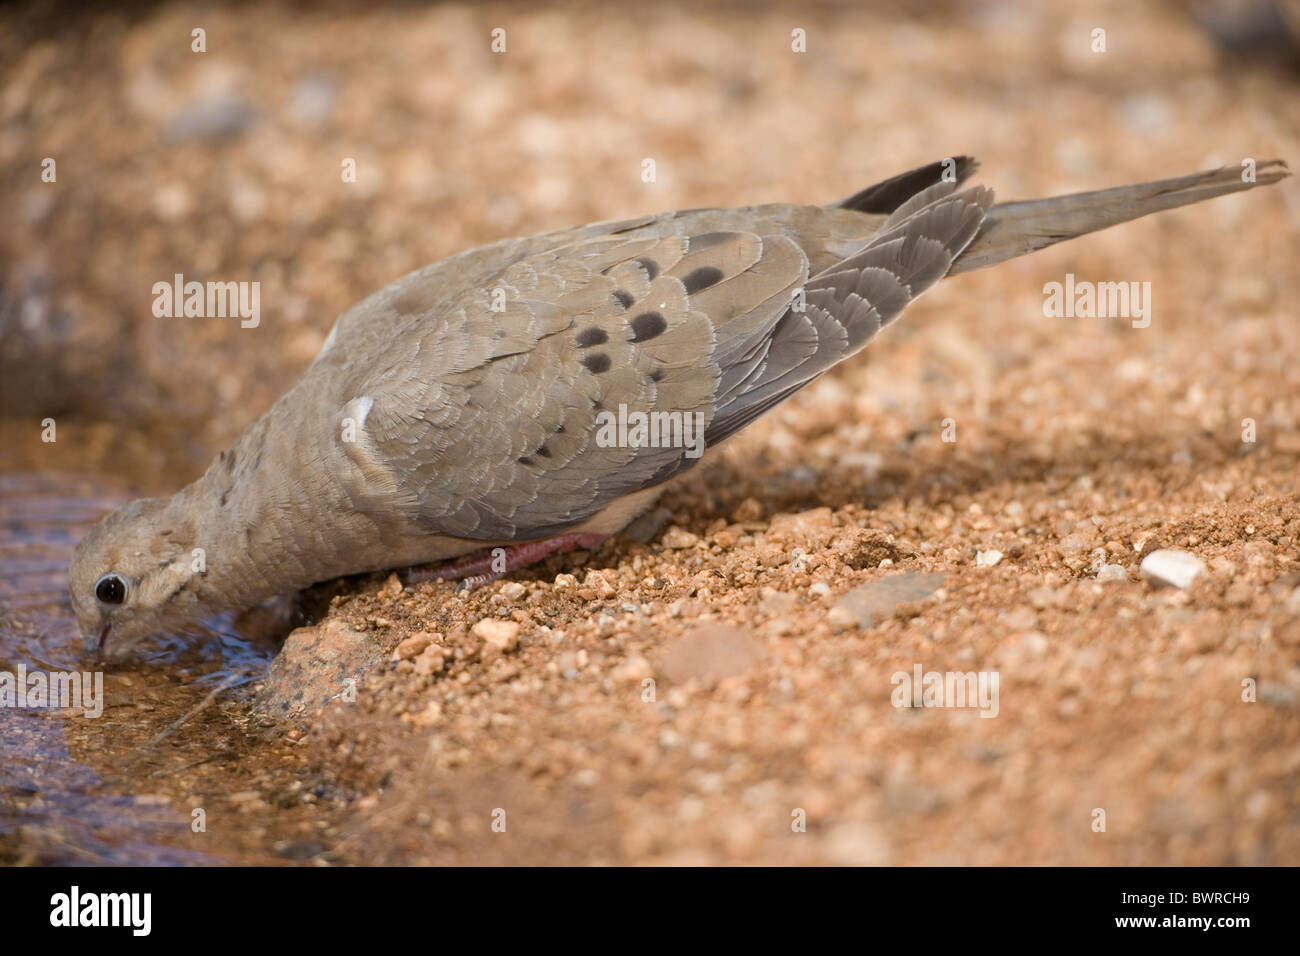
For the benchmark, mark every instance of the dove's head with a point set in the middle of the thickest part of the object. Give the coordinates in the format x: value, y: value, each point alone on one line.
x: 134, y: 575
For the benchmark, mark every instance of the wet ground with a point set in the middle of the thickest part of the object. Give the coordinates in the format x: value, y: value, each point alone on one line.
x: 1080, y: 444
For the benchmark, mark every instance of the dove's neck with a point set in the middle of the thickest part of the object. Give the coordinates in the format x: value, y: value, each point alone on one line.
x: 269, y: 515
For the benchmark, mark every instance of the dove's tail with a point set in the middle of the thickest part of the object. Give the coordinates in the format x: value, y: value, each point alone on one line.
x: 1017, y: 228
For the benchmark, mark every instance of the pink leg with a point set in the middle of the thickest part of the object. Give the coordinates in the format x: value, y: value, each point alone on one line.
x: 484, y: 567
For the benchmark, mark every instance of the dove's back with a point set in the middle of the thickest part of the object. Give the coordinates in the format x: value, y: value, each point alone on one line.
x: 477, y: 386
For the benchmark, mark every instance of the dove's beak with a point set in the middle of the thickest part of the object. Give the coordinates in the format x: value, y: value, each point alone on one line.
x: 103, y: 636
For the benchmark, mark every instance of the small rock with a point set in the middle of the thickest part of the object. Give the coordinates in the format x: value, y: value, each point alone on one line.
x: 677, y: 538
x: 1034, y: 643
x: 710, y: 653
x: 1112, y: 572
x: 1171, y: 567
x: 313, y: 100
x: 431, y: 661
x: 810, y: 529
x: 504, y: 635
x: 313, y: 667
x: 866, y: 548
x: 840, y: 620
x: 1020, y: 619
x: 1277, y: 694
x: 777, y: 602
x: 1045, y: 597
x: 513, y: 591
x: 872, y: 603
x: 412, y: 646
x: 215, y: 116
x: 599, y: 584
x: 987, y: 559
x: 430, y: 715
x: 632, y: 671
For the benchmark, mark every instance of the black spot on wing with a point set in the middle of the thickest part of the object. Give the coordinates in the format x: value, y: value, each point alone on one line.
x: 596, y: 362
x: 650, y: 266
x: 701, y: 278
x: 647, y: 325
x: 624, y: 298
x: 592, y: 336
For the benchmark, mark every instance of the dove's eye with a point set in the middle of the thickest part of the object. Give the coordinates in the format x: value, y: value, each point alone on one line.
x: 110, y: 589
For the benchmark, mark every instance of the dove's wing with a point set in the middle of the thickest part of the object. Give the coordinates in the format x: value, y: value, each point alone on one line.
x: 483, y: 417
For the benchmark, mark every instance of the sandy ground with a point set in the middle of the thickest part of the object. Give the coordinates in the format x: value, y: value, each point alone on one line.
x: 687, y: 698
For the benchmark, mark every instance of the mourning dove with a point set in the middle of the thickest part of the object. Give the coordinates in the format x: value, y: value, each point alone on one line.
x: 463, y: 407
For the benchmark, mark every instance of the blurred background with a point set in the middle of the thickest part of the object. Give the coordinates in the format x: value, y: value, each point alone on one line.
x: 226, y: 165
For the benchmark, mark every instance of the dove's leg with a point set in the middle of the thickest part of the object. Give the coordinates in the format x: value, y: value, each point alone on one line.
x: 488, y: 565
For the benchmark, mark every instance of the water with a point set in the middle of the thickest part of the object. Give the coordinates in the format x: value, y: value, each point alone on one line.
x: 54, y: 806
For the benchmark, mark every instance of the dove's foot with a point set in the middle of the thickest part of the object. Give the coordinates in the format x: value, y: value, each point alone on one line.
x: 484, y: 567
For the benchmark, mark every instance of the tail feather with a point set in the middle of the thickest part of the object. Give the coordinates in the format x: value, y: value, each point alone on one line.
x: 1018, y: 228
x: 885, y: 197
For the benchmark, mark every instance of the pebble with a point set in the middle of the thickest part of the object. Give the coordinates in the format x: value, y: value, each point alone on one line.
x: 212, y: 117
x: 1171, y: 567
x: 431, y: 661
x: 987, y: 559
x: 412, y: 646
x: 677, y: 538
x: 840, y: 619
x: 313, y: 667
x: 1020, y: 619
x: 710, y: 653
x: 1112, y: 572
x: 872, y: 603
x: 810, y: 529
x: 598, y: 584
x: 632, y: 671
x: 1277, y: 694
x: 504, y: 635
x: 313, y: 100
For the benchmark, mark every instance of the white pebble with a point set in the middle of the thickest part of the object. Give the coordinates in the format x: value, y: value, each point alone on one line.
x: 1171, y: 567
